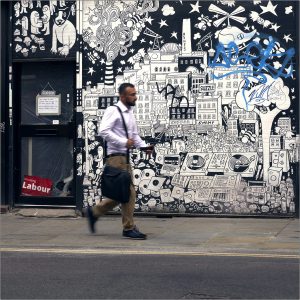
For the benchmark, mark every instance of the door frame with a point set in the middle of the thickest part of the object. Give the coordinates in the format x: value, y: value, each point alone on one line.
x: 16, y: 182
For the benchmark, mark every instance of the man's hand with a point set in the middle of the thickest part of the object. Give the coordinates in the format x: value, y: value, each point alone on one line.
x: 130, y: 143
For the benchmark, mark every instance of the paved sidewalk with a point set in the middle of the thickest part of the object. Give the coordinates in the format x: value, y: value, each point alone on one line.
x: 177, y: 235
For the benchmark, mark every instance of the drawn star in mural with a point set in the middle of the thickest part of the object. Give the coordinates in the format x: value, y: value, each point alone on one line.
x: 163, y: 23
x: 269, y: 8
x: 247, y: 27
x: 149, y: 20
x: 91, y: 71
x: 142, y: 41
x: 288, y: 10
x: 195, y: 7
x: 216, y: 16
x: 289, y: 70
x: 131, y: 50
x: 275, y: 27
x: 174, y: 34
x: 120, y: 70
x: 287, y: 37
x: 102, y: 61
x: 151, y: 43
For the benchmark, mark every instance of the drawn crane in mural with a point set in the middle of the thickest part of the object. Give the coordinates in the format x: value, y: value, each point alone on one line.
x: 149, y: 32
x: 231, y: 33
x: 203, y: 39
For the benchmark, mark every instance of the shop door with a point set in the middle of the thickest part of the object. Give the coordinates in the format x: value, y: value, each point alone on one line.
x: 44, y: 162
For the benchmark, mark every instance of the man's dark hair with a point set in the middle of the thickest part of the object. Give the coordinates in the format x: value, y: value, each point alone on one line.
x: 124, y: 86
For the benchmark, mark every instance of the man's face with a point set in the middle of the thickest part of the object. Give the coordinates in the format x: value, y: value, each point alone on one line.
x: 129, y: 96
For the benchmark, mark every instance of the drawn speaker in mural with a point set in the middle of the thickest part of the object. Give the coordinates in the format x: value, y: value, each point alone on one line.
x: 147, y: 174
x: 144, y: 187
x: 136, y: 175
x: 165, y: 196
x: 280, y: 159
x: 275, y: 174
x: 156, y: 183
x: 178, y: 146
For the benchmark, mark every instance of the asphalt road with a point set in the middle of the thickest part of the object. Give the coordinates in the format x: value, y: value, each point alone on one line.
x: 86, y: 276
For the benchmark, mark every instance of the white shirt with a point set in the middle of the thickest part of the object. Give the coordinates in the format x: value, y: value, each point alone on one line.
x: 113, y: 132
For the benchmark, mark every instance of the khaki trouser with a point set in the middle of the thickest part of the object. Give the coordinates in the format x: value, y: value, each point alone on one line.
x: 108, y: 204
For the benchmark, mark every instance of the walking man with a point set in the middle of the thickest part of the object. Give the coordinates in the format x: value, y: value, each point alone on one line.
x: 113, y: 132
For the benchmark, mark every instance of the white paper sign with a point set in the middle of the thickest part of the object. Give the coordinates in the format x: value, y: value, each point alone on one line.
x: 48, y: 105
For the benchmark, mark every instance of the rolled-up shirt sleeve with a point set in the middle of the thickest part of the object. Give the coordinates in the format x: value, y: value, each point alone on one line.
x: 107, y: 129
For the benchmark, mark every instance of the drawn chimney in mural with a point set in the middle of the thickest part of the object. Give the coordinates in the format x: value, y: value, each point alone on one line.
x: 109, y: 77
x: 186, y: 37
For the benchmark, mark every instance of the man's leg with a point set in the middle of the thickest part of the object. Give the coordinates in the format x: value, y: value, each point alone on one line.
x: 103, y: 207
x: 128, y: 210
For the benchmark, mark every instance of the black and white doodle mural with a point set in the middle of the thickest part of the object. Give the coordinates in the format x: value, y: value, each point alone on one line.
x: 216, y: 86
x: 44, y: 28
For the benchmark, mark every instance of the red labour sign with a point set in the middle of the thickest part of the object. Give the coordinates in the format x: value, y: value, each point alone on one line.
x: 36, y: 186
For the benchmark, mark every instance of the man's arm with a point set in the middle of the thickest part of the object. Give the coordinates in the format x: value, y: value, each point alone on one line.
x: 106, y: 126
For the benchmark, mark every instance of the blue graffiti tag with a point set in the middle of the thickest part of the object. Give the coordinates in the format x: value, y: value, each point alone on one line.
x: 255, y: 56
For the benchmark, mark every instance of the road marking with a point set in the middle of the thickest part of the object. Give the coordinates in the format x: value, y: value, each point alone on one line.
x: 145, y: 252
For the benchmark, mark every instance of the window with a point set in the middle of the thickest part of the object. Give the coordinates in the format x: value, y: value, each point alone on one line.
x: 160, y: 69
x: 191, y: 61
x: 169, y: 69
x: 235, y: 83
x: 228, y: 85
x: 213, y: 105
x: 196, y: 61
x: 220, y: 84
x: 175, y: 69
x: 156, y: 69
x: 228, y: 93
x: 235, y: 76
x: 181, y: 62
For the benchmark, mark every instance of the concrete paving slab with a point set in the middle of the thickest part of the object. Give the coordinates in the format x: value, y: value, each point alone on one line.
x: 177, y: 234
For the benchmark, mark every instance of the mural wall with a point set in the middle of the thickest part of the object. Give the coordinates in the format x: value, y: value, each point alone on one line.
x: 217, y: 96
x: 44, y: 28
x: 216, y: 89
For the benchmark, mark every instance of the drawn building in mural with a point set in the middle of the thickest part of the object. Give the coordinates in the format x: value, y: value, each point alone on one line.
x: 217, y: 98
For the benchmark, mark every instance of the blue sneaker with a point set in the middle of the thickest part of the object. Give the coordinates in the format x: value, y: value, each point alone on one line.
x: 134, y: 234
x: 91, y: 219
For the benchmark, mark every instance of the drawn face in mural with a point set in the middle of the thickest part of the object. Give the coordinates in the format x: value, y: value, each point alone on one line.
x: 61, y: 16
x: 128, y: 97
